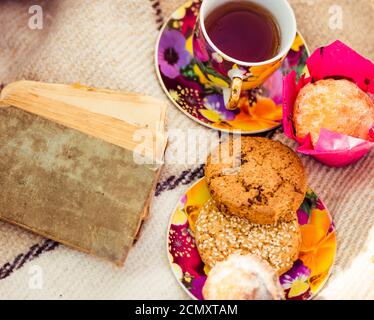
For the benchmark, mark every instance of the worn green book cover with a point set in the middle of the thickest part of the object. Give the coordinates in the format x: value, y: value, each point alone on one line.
x: 71, y: 187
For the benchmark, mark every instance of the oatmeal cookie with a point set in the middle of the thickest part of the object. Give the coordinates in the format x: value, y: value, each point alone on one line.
x: 261, y: 180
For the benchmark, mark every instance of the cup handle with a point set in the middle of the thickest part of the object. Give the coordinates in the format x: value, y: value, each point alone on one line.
x: 236, y: 89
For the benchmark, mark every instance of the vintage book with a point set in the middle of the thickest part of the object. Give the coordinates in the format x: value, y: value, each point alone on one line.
x: 79, y: 165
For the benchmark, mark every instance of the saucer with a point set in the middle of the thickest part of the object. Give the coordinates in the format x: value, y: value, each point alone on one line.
x: 260, y: 110
x: 303, y: 282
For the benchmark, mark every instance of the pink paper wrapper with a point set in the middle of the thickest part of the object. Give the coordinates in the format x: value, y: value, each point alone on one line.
x: 336, y: 60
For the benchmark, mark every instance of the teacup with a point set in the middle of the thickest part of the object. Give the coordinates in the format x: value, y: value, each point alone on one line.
x: 234, y: 75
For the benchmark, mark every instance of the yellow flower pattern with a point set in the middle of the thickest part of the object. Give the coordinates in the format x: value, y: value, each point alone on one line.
x: 191, y: 73
x: 308, y: 274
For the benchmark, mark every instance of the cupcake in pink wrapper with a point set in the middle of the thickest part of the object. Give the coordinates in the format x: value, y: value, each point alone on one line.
x: 331, y: 112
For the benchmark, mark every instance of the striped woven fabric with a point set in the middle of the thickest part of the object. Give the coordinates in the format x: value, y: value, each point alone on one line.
x: 111, y: 44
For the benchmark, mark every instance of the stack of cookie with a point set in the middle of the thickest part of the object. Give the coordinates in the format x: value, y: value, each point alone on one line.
x: 256, y: 189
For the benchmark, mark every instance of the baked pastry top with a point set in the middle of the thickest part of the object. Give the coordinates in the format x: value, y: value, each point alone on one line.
x: 242, y: 278
x: 218, y: 235
x: 337, y: 105
x: 260, y: 180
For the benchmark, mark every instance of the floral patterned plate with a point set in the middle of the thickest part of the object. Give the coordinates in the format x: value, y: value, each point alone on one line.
x: 309, y: 273
x: 184, y: 83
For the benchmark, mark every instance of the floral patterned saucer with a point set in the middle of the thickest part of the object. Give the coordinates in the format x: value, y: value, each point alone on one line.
x: 184, y: 83
x: 302, y: 282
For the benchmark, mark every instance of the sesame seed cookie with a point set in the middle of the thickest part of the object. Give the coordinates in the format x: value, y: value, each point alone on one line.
x: 258, y: 179
x: 218, y: 235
